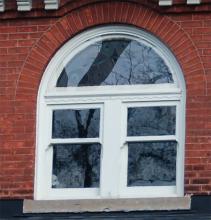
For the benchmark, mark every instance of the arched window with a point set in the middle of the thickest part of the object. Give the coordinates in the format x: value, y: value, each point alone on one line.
x: 111, y: 118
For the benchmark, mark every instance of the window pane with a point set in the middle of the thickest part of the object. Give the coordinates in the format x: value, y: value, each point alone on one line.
x: 152, y: 164
x: 115, y: 62
x: 76, y: 165
x: 151, y: 121
x: 68, y: 123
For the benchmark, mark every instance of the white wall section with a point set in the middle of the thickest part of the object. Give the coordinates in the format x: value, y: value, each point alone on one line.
x: 24, y: 5
x: 193, y: 2
x: 51, y: 4
x: 165, y: 2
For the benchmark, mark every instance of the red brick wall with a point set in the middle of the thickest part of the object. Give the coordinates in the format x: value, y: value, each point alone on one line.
x: 27, y: 45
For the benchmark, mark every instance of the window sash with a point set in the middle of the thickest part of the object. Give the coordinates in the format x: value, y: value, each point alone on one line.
x: 147, y: 191
x: 113, y: 139
x: 140, y: 190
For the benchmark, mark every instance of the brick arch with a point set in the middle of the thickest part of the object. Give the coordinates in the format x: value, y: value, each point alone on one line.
x: 109, y: 13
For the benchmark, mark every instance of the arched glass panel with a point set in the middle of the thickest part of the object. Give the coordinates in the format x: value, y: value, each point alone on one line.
x: 115, y: 62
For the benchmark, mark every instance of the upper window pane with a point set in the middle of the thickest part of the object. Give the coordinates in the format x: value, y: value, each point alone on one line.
x: 80, y: 123
x: 115, y: 62
x: 157, y: 120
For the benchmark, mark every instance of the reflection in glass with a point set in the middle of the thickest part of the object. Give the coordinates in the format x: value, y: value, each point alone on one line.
x: 151, y: 121
x: 76, y: 165
x: 152, y: 164
x: 68, y: 123
x: 115, y: 62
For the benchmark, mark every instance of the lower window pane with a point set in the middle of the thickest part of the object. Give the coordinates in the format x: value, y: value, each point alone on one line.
x: 152, y: 164
x: 76, y: 165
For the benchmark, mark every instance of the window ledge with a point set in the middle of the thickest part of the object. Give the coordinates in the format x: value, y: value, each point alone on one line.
x: 100, y: 205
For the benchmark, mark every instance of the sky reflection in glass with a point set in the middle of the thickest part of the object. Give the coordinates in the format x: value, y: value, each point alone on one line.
x: 115, y: 62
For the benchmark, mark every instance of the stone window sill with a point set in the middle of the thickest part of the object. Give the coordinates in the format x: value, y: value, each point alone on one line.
x: 106, y: 205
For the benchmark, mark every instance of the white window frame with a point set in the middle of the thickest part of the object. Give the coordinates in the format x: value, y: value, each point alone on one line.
x: 119, y: 97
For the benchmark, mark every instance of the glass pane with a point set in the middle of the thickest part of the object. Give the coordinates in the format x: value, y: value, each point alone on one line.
x: 68, y: 123
x: 157, y: 120
x: 115, y: 62
x: 152, y: 164
x: 76, y: 165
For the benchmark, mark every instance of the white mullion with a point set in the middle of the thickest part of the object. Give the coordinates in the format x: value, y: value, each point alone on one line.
x: 110, y: 164
x: 151, y: 138
x: 75, y: 141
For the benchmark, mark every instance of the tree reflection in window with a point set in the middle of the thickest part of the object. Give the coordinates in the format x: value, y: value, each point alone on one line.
x: 76, y: 165
x: 146, y: 121
x: 115, y: 62
x: 152, y: 163
x: 76, y: 123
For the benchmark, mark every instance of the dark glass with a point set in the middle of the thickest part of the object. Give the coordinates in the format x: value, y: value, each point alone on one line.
x: 115, y: 62
x: 68, y: 123
x: 76, y: 165
x: 152, y: 164
x: 143, y: 121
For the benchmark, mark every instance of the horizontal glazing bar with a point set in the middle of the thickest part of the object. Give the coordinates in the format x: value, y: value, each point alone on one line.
x: 75, y: 140
x: 151, y: 138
